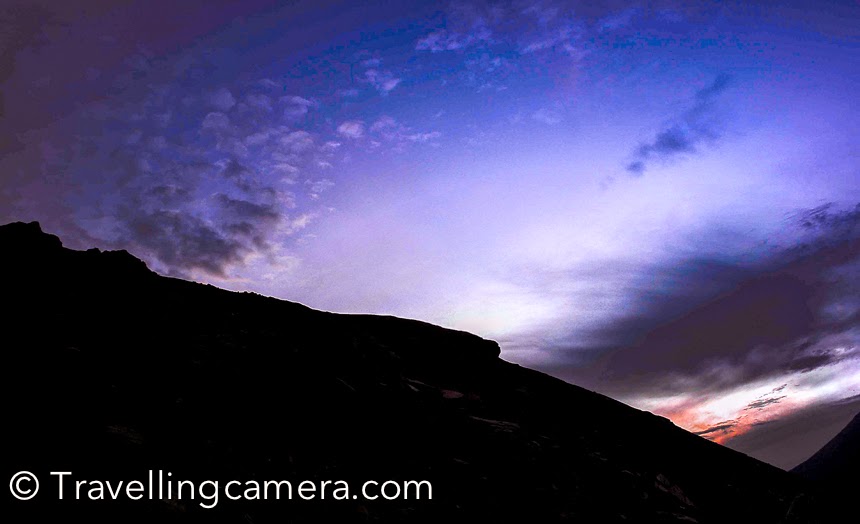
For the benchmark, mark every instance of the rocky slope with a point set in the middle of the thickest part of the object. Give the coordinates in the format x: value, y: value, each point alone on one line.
x: 111, y: 370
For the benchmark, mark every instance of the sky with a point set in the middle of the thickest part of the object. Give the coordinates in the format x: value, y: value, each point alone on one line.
x: 658, y: 201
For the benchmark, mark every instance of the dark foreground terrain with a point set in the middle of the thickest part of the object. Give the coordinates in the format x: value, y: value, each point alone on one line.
x: 111, y: 370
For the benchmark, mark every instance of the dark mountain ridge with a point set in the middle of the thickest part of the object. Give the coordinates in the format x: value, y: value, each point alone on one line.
x: 112, y: 370
x: 837, y: 464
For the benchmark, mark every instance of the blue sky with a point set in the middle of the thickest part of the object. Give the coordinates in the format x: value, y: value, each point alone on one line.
x: 654, y: 200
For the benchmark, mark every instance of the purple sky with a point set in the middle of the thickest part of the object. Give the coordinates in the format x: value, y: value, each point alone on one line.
x: 652, y: 200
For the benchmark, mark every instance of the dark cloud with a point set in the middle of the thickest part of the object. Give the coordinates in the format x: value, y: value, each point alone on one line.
x: 837, y: 224
x: 723, y: 428
x: 763, y: 403
x: 708, y: 325
x: 708, y: 92
x: 683, y: 134
x: 704, y: 327
x: 183, y: 241
x: 164, y: 219
x: 637, y: 167
x: 669, y: 142
x: 168, y: 194
x: 245, y: 210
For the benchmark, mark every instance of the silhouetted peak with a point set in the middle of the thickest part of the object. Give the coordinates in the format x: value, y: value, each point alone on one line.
x: 836, y: 463
x: 24, y: 236
x: 29, y: 249
x: 123, y: 259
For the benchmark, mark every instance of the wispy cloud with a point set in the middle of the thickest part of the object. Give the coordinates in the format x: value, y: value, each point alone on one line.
x: 547, y: 116
x: 763, y: 403
x: 388, y: 129
x: 682, y: 134
x: 383, y: 81
x: 443, y: 40
x: 721, y: 429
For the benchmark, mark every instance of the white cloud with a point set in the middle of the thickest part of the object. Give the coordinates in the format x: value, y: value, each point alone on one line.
x: 391, y: 130
x: 351, y: 129
x: 298, y: 141
x: 296, y: 106
x: 423, y: 137
x: 317, y: 187
x: 383, y: 81
x: 330, y: 147
x: 297, y: 224
x: 383, y: 123
x: 440, y: 40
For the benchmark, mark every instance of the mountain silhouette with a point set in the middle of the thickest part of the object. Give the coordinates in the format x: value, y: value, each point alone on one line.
x: 837, y: 464
x: 111, y: 370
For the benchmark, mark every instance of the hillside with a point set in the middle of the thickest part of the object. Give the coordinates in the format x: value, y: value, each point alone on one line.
x: 837, y: 463
x: 111, y: 370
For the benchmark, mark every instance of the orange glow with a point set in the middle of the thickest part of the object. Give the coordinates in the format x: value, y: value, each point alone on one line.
x: 696, y: 418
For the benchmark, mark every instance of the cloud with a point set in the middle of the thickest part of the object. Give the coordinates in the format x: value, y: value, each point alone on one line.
x: 257, y: 101
x: 222, y: 99
x: 383, y: 124
x: 348, y: 93
x: 709, y: 324
x: 548, y: 28
x: 443, y: 40
x: 330, y: 147
x: 723, y: 428
x: 243, y: 210
x: 423, y: 137
x: 498, y: 41
x: 296, y: 107
x: 466, y: 25
x: 558, y: 39
x: 383, y: 81
x: 725, y: 347
x: 682, y: 134
x: 763, y: 403
x: 216, y: 122
x: 546, y: 116
x: 316, y: 187
x: 616, y: 21
x: 194, y: 174
x: 297, y: 141
x: 353, y: 129
x: 390, y: 130
x: 183, y: 241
